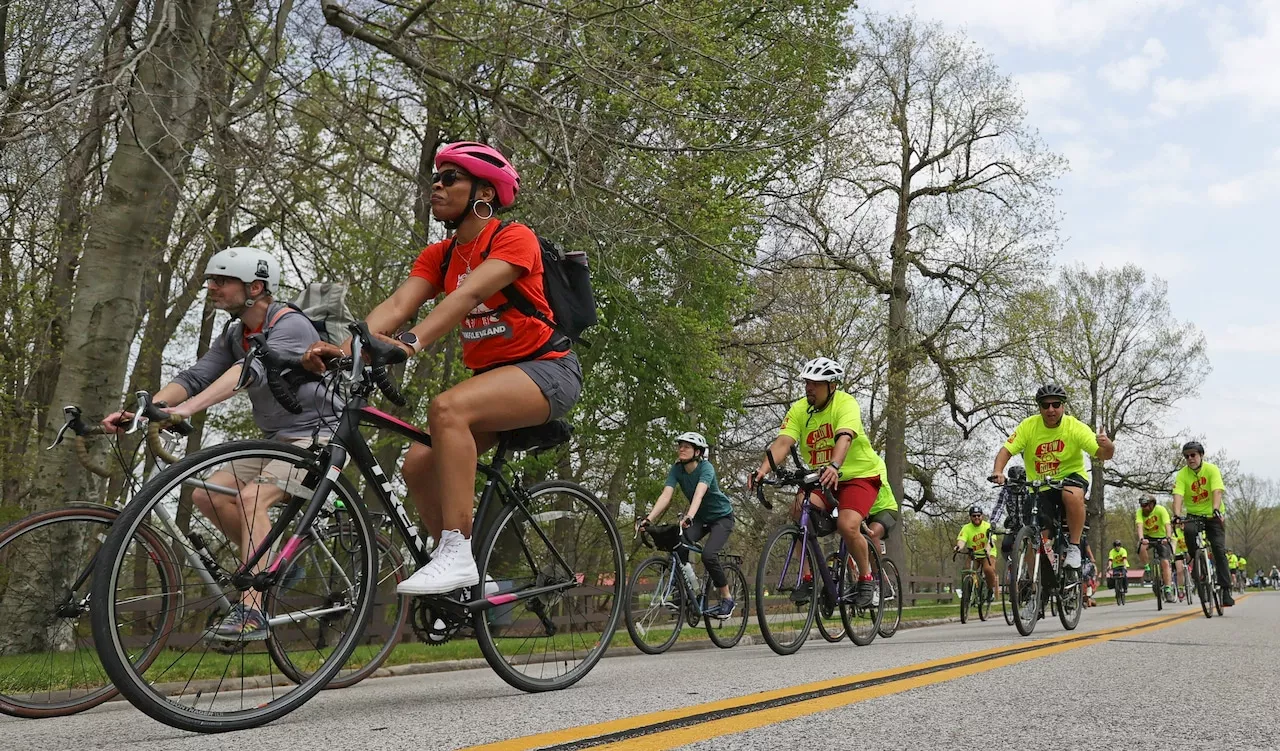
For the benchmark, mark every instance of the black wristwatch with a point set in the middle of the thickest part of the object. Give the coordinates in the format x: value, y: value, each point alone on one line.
x: 410, y: 339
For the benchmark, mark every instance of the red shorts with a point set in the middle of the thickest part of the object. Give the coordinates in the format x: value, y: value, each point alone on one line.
x: 858, y: 494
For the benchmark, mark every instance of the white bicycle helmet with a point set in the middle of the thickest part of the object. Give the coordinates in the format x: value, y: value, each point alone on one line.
x: 694, y: 439
x: 247, y: 265
x: 822, y: 369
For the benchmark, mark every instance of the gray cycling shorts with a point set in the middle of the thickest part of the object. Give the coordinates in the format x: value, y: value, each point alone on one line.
x: 888, y: 518
x: 560, y: 381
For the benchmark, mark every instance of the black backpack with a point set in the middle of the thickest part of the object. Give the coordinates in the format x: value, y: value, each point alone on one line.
x: 566, y: 283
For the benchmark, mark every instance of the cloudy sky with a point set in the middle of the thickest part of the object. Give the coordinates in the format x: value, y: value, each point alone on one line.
x: 1167, y: 112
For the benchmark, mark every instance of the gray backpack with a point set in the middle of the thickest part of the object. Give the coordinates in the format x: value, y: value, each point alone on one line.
x: 325, y: 304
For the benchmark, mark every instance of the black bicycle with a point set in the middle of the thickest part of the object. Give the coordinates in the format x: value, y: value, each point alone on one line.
x: 975, y: 593
x: 1040, y: 561
x: 661, y: 599
x: 549, y: 557
x: 1158, y: 548
x: 788, y: 597
x: 1202, y: 570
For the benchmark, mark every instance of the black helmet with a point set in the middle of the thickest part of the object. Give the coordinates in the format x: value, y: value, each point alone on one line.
x: 1147, y: 498
x: 1195, y: 446
x: 1017, y: 472
x: 975, y: 510
x: 1050, y: 390
x: 1115, y: 544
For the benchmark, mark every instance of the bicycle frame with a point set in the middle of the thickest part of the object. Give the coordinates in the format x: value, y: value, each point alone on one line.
x: 809, y: 541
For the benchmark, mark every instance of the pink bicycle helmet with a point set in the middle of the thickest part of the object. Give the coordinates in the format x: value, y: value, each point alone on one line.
x: 486, y: 163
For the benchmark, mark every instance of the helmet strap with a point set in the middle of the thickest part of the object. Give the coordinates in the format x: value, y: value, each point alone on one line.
x: 453, y: 224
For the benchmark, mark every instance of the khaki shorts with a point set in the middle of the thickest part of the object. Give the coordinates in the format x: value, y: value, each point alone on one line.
x: 277, y: 472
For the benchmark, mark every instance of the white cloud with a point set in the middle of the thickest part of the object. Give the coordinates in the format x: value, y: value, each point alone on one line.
x: 1053, y: 100
x: 1248, y: 54
x: 1051, y: 24
x: 1263, y: 338
x: 1132, y: 73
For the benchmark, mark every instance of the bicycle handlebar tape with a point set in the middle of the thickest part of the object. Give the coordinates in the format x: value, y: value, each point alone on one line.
x: 383, y: 381
x: 281, y: 391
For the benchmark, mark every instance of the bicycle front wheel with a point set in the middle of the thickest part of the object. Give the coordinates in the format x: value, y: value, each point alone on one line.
x: 787, y: 601
x: 48, y: 664
x: 1070, y: 597
x: 1026, y: 582
x: 212, y: 677
x: 654, y: 612
x: 966, y: 597
x: 1006, y: 605
x: 556, y: 559
x: 315, y: 576
x: 892, y: 596
x: 726, y: 632
x: 984, y: 602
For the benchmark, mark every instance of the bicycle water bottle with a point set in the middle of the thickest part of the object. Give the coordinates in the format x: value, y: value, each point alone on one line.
x: 690, y: 578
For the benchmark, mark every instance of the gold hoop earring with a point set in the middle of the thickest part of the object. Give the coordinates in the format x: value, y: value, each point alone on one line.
x: 475, y: 210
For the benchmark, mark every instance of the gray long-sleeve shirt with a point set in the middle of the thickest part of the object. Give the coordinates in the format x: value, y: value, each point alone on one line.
x: 291, y: 335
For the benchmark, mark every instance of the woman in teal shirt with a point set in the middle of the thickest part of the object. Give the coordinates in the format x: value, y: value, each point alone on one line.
x: 709, y: 514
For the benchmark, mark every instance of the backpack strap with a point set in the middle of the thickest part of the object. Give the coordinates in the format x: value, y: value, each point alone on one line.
x: 448, y: 257
x: 516, y: 299
x: 284, y: 310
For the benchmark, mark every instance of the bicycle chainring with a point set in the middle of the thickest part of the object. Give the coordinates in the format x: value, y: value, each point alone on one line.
x: 432, y: 625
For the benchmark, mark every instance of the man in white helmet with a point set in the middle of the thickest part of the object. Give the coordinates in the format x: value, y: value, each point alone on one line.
x: 241, y: 281
x: 710, y: 514
x: 829, y: 423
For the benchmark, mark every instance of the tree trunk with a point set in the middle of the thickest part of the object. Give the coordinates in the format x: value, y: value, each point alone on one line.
x: 900, y: 356
x: 126, y: 232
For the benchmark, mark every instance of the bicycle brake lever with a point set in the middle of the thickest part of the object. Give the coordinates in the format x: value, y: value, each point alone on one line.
x: 72, y: 413
x: 144, y: 402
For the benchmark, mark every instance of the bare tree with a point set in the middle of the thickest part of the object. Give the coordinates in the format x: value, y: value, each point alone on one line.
x: 1253, y: 519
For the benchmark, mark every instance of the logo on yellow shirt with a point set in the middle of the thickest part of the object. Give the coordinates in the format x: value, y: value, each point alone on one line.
x: 1046, y: 454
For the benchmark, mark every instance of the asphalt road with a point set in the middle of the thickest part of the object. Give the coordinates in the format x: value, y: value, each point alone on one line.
x: 1118, y: 681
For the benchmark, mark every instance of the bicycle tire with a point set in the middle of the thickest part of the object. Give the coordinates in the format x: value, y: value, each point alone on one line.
x: 583, y: 553
x: 769, y: 610
x: 1157, y: 583
x: 1070, y: 597
x: 1203, y: 586
x: 893, y: 603
x: 141, y: 688
x: 722, y: 633
x: 966, y: 597
x: 984, y: 606
x: 37, y: 700
x: 1006, y: 605
x: 391, y: 570
x: 849, y: 610
x: 1217, y: 600
x: 831, y: 627
x: 1026, y: 594
x: 638, y: 629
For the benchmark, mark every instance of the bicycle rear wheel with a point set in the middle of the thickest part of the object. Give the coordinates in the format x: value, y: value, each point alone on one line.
x: 48, y: 664
x: 654, y: 612
x: 312, y: 576
x: 892, y: 596
x: 561, y: 538
x: 727, y: 632
x: 208, y: 683
x: 786, y: 603
x: 862, y: 622
x: 1026, y: 582
x: 1006, y: 605
x: 830, y: 626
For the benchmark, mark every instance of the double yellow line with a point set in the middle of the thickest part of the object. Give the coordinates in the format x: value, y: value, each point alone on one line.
x: 673, y: 728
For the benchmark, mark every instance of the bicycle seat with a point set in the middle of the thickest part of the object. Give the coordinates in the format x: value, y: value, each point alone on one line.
x: 538, y: 437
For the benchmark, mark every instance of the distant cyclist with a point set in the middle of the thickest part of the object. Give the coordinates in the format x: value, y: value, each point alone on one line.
x: 1200, y: 483
x: 1275, y: 576
x: 827, y: 422
x: 1154, y: 531
x: 1242, y: 566
x: 1118, y: 558
x: 1180, y: 561
x: 1053, y: 444
x: 710, y: 515
x: 975, y: 537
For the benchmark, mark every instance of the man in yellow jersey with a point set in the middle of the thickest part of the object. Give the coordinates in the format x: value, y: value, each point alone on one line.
x: 1154, y: 531
x: 1119, y: 559
x: 1200, y: 483
x: 1053, y: 445
x: 827, y: 423
x: 1242, y: 571
x: 976, y: 537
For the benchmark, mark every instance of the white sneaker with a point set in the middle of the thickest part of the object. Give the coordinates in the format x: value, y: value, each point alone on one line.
x: 450, y: 568
x: 1073, y: 556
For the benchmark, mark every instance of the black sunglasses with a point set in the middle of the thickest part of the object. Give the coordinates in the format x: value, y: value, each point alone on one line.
x: 1188, y: 456
x: 1050, y: 405
x: 447, y: 178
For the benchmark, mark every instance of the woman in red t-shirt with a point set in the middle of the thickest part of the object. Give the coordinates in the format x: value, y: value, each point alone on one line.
x: 525, y: 373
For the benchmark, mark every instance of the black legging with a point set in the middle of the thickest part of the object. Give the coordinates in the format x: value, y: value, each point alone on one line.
x: 717, y: 533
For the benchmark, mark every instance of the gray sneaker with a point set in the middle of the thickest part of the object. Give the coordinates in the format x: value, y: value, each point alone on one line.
x: 241, y: 624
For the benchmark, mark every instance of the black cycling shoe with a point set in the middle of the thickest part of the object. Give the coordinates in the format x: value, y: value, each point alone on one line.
x: 800, y: 595
x: 865, y: 596
x: 1227, y: 600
